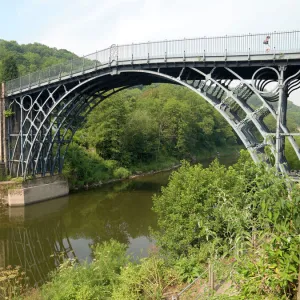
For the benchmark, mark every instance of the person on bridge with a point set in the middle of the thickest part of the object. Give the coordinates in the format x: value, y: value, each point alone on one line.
x: 266, y: 43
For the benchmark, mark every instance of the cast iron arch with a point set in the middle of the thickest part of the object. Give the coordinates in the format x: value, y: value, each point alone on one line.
x: 41, y: 139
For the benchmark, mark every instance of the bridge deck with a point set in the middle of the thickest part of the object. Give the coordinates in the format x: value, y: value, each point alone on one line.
x: 244, y: 50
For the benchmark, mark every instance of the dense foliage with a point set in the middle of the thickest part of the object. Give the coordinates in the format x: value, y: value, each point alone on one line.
x: 9, y: 68
x: 244, y: 211
x: 156, y: 125
x: 18, y: 59
x: 142, y: 124
x: 111, y: 275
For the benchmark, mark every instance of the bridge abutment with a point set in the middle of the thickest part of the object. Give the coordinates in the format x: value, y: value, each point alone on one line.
x: 35, y: 190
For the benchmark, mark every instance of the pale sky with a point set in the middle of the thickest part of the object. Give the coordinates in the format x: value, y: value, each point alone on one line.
x: 84, y: 26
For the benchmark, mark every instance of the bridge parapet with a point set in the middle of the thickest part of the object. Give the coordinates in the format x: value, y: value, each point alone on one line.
x: 280, y: 45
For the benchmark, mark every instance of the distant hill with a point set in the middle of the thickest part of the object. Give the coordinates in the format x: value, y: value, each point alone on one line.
x: 32, y: 57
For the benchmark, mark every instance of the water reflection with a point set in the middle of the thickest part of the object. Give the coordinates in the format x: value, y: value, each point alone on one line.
x: 27, y: 240
x: 36, y: 237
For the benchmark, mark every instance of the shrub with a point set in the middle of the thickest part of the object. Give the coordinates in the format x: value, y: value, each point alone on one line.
x: 88, y: 281
x: 246, y: 211
x: 121, y: 173
x: 148, y: 280
x: 189, y: 268
x: 13, y: 282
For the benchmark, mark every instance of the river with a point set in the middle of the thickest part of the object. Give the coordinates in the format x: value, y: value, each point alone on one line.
x: 38, y: 236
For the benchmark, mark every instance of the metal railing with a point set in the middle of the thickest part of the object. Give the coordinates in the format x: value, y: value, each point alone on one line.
x: 250, y: 44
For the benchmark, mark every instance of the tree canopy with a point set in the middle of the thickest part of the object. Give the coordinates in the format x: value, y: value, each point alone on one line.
x: 28, y: 58
x: 9, y: 68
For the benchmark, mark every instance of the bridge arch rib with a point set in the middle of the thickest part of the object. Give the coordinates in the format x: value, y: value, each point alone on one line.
x: 50, y: 118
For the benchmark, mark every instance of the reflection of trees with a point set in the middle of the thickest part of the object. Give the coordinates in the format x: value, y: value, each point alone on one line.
x: 30, y: 236
x: 120, y: 211
x: 38, y: 248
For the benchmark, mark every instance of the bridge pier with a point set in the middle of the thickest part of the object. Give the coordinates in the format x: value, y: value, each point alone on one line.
x: 35, y: 190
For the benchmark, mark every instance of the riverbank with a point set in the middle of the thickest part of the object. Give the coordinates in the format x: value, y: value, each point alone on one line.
x: 137, y: 175
x: 161, y: 165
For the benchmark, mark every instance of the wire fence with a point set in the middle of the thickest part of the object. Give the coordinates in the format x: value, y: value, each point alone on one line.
x: 251, y: 44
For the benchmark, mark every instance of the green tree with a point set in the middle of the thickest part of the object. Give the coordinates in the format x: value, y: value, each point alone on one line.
x: 9, y: 68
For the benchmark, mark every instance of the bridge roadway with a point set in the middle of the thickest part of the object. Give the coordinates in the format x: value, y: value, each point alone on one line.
x: 50, y: 105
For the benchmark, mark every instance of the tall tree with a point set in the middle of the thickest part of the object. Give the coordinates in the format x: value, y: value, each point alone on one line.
x: 9, y: 68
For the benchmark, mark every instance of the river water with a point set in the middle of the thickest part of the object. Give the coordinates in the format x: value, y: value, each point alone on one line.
x: 38, y: 236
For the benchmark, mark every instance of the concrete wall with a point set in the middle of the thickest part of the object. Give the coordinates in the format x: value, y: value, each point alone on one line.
x: 38, y: 190
x: 5, y: 186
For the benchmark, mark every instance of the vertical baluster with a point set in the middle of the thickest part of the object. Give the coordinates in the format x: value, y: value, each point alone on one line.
x: 96, y: 62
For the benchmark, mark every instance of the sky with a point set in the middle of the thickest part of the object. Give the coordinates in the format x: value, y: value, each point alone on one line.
x: 84, y: 26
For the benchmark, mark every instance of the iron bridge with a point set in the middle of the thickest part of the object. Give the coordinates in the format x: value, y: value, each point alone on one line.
x: 44, y: 109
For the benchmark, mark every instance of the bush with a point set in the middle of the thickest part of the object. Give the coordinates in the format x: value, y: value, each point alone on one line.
x: 88, y: 281
x: 13, y: 282
x: 111, y: 165
x: 189, y: 268
x: 121, y: 173
x: 148, y: 280
x: 111, y: 275
x: 83, y: 167
x: 245, y: 211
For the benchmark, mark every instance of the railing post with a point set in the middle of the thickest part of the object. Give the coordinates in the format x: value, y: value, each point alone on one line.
x: 117, y: 59
x: 211, y: 276
x: 71, y: 71
x: 205, y: 41
x: 298, y: 290
x: 132, y: 54
x: 82, y: 65
x: 96, y: 63
x: 49, y: 75
x: 29, y: 83
x: 166, y: 50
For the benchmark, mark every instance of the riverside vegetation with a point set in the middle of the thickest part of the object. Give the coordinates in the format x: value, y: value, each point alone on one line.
x: 244, y: 214
x: 244, y: 219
